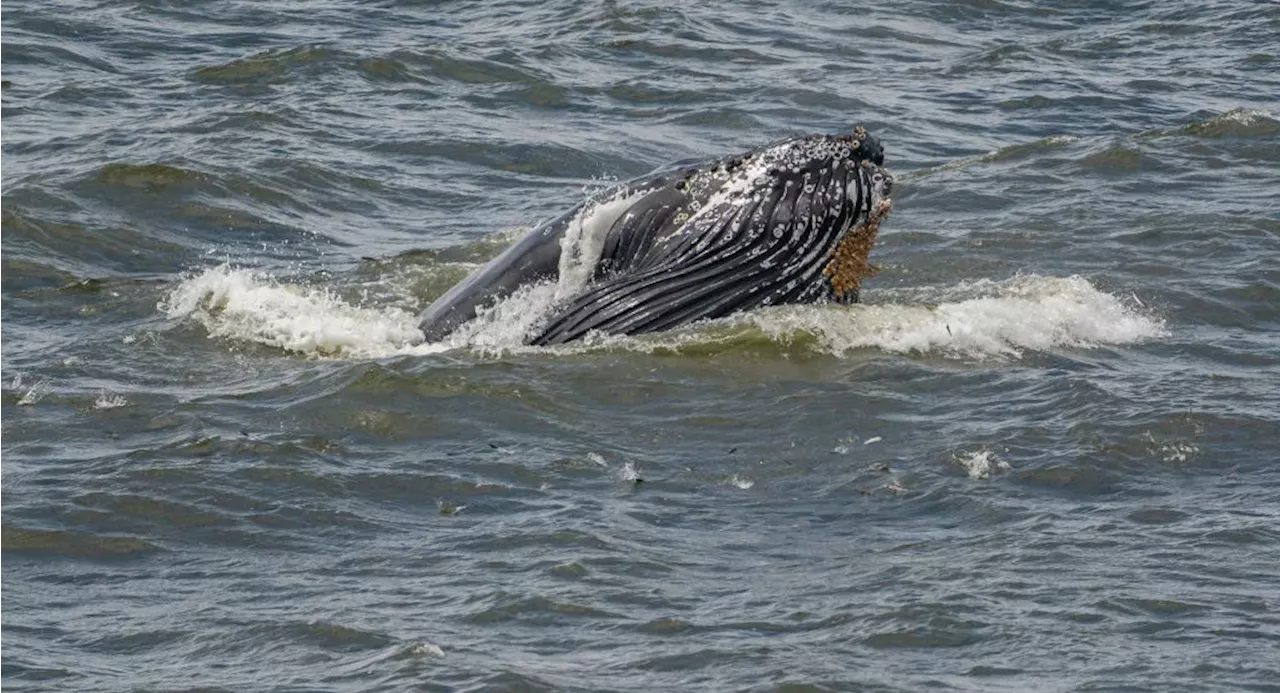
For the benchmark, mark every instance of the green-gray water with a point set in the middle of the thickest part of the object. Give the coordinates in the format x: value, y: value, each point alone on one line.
x: 1042, y: 455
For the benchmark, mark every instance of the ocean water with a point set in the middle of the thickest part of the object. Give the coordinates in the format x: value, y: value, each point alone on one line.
x: 1043, y: 454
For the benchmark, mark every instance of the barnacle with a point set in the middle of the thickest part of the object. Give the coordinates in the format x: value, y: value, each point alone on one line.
x: 848, y: 265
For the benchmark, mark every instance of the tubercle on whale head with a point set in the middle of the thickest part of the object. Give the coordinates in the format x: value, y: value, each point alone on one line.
x: 849, y: 263
x: 864, y: 146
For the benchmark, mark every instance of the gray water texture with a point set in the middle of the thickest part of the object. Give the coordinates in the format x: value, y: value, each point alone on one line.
x: 1041, y: 456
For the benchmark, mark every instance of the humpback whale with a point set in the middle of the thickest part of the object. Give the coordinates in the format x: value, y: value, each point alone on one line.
x: 789, y: 222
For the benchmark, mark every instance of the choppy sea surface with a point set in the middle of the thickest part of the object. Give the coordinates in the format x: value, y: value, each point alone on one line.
x: 1043, y: 454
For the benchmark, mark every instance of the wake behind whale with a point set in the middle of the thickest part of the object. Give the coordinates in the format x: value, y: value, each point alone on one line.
x: 791, y: 222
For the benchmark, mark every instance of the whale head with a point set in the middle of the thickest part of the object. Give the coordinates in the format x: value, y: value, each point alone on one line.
x: 791, y: 222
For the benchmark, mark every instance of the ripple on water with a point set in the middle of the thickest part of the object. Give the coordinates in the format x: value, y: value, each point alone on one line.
x: 62, y: 247
x: 67, y: 544
x: 148, y: 177
x: 269, y: 66
x: 174, y: 183
x: 323, y: 635
x: 534, y: 611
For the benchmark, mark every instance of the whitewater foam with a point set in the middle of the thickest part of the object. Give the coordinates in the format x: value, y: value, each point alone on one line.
x: 504, y: 326
x: 108, y: 400
x: 981, y: 464
x: 33, y: 394
x: 247, y: 306
x: 974, y: 319
x: 980, y: 319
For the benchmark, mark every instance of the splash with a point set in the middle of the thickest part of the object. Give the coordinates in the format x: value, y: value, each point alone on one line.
x: 981, y: 464
x: 982, y: 319
x: 974, y: 319
x: 504, y: 326
x: 107, y: 400
x: 1171, y: 451
x: 36, y: 392
x: 629, y: 473
x: 245, y: 306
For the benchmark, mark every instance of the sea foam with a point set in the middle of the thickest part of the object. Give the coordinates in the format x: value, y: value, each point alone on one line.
x: 247, y: 306
x: 983, y: 318
x: 980, y: 319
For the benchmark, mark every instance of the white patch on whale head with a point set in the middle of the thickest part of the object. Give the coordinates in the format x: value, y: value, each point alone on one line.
x: 584, y: 238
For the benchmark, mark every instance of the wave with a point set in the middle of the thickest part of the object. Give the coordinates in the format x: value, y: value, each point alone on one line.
x: 1238, y: 122
x: 266, y: 66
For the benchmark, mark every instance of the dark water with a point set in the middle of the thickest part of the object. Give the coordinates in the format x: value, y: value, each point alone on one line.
x: 1041, y: 456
